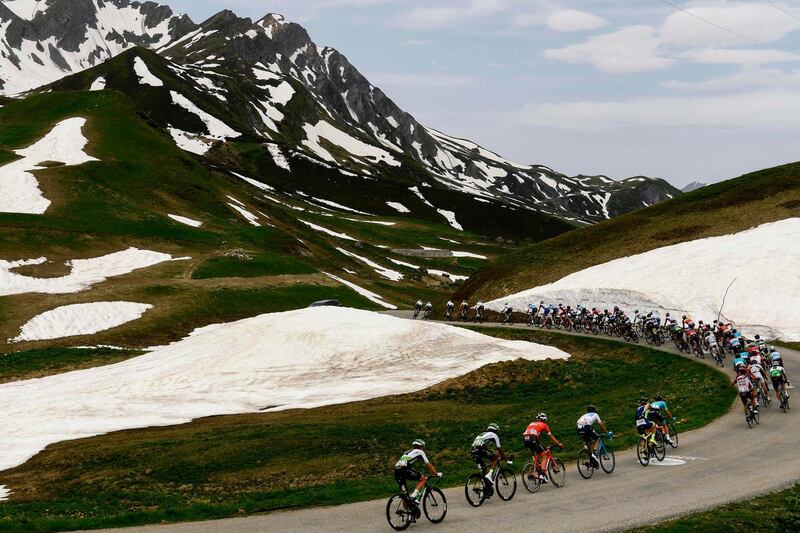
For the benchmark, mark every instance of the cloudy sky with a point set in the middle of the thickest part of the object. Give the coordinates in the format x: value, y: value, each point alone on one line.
x: 700, y: 90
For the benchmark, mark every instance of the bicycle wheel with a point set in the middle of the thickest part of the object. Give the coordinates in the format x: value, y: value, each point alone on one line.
x: 505, y: 484
x: 755, y: 417
x: 474, y: 490
x: 660, y: 451
x: 530, y: 478
x: 642, y: 452
x: 749, y: 419
x: 435, y: 505
x: 607, y: 460
x: 585, y: 468
x: 557, y: 472
x: 673, y: 434
x: 397, y: 514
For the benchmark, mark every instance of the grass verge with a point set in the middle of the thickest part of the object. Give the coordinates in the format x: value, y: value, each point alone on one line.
x: 778, y: 512
x: 33, y: 364
x: 225, y: 466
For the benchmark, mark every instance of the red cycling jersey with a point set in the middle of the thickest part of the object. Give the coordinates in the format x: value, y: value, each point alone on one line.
x: 537, y: 428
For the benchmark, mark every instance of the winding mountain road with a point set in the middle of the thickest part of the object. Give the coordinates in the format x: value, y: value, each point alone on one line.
x: 714, y: 465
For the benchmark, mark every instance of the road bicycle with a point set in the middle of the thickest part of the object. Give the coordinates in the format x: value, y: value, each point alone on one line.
x: 605, y: 454
x: 477, y: 489
x: 508, y: 318
x: 762, y: 397
x: 402, y: 510
x: 553, y: 468
x: 784, y: 401
x: 671, y: 432
x: 448, y: 316
x: 649, y: 448
x: 751, y: 416
x: 463, y: 314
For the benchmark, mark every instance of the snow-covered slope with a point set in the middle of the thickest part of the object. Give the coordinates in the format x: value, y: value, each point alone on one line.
x: 761, y: 266
x: 44, y: 40
x: 269, y: 79
x: 288, y: 360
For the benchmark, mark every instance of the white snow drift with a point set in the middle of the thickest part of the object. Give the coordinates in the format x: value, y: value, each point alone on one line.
x: 84, y: 274
x: 145, y: 76
x: 298, y: 359
x: 186, y: 220
x: 691, y: 278
x: 80, y: 319
x: 19, y: 190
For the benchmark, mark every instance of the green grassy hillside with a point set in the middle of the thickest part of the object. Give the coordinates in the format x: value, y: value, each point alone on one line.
x: 227, y: 466
x: 235, y: 270
x: 727, y: 207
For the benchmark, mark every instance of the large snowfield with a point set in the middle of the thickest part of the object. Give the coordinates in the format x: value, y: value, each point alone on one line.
x: 19, y: 189
x: 297, y: 359
x: 691, y: 278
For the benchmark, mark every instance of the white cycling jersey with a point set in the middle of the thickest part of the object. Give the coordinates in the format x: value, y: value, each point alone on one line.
x: 412, y: 457
x: 757, y: 371
x: 589, y: 419
x: 485, y: 438
x: 711, y: 339
x: 743, y: 383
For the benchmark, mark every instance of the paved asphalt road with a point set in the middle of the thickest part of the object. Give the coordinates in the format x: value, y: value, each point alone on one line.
x: 719, y: 463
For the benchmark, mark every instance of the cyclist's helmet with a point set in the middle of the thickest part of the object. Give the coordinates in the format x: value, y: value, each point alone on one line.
x: 542, y: 417
x: 684, y: 317
x: 591, y: 409
x: 758, y: 337
x: 739, y: 365
x: 775, y: 362
x: 667, y: 314
x: 636, y: 312
x: 658, y: 398
x: 642, y: 400
x: 494, y: 428
x: 418, y: 443
x: 772, y: 349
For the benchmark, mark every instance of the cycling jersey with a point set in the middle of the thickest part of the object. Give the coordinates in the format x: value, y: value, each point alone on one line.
x: 536, y: 428
x: 589, y: 419
x: 711, y: 339
x: 411, y: 458
x: 659, y: 405
x: 776, y: 372
x: 757, y: 372
x: 743, y: 383
x: 735, y: 344
x: 642, y: 422
x: 739, y: 361
x: 486, y: 438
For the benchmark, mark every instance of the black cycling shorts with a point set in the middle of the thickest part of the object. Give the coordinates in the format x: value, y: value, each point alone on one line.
x: 404, y: 473
x: 533, y: 444
x: 479, y: 455
x: 746, y: 396
x: 655, y: 418
x: 777, y: 382
x: 588, y: 434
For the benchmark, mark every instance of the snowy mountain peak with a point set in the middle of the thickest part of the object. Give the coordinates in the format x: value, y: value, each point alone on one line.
x: 693, y: 186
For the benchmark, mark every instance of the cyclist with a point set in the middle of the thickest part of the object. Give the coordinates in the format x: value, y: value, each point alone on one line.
x: 740, y: 360
x: 586, y: 431
x: 418, y: 308
x: 507, y: 310
x: 762, y: 346
x: 404, y: 469
x: 643, y: 425
x: 758, y: 373
x: 531, y: 439
x: 428, y: 310
x: 779, y: 379
x: 775, y: 355
x: 463, y: 310
x: 450, y: 307
x: 745, y: 386
x: 655, y: 414
x: 480, y: 450
x: 713, y: 347
x: 479, y: 310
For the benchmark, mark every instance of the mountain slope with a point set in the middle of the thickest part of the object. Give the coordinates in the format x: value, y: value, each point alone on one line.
x: 272, y: 80
x: 728, y: 207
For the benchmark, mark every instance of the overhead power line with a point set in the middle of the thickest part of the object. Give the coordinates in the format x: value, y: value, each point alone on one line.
x: 780, y: 8
x: 723, y: 28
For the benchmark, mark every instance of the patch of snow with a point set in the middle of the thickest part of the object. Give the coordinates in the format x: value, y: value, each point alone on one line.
x: 99, y: 84
x: 186, y: 220
x: 319, y: 356
x: 84, y: 273
x: 382, y: 271
x: 403, y: 263
x: 397, y: 206
x: 416, y: 191
x: 339, y: 206
x: 349, y: 143
x: 281, y: 94
x: 80, y: 319
x: 26, y: 9
x: 255, y: 183
x: 763, y: 299
x: 216, y: 128
x: 449, y: 240
x: 145, y: 76
x: 19, y: 189
x: 247, y: 215
x: 190, y: 142
x: 278, y: 157
x: 327, y: 231
x: 451, y: 219
x: 444, y: 274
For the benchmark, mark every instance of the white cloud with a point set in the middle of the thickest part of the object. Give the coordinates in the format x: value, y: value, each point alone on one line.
x: 768, y: 109
x: 390, y: 79
x: 746, y: 78
x: 568, y: 20
x: 756, y: 20
x: 629, y: 49
x: 739, y: 56
x: 426, y: 18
